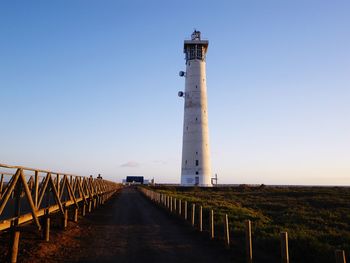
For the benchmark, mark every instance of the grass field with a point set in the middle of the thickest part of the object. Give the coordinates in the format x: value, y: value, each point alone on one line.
x: 317, y: 219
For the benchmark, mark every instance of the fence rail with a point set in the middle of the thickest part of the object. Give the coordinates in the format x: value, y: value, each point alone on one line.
x: 168, y: 202
x: 26, y: 194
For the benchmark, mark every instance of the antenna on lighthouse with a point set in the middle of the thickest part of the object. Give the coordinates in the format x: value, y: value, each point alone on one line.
x: 196, y: 35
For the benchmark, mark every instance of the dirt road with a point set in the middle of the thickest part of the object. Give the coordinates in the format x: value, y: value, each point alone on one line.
x: 129, y: 229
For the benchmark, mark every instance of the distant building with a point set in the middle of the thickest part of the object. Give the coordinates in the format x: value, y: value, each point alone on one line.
x: 134, y: 180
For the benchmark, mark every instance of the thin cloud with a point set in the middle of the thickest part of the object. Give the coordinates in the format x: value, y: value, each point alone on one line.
x: 131, y: 164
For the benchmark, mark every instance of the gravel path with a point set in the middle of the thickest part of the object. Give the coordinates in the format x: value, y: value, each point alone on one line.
x: 129, y: 228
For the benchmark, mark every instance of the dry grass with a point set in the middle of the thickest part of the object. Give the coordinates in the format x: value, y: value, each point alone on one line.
x: 317, y: 219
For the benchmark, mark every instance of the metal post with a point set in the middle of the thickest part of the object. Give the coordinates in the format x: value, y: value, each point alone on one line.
x: 248, y: 237
x: 284, y: 247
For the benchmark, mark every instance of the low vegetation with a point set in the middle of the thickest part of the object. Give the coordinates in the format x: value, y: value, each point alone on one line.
x: 317, y: 219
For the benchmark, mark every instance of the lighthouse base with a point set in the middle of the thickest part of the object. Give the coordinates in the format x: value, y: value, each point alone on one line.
x: 195, y: 180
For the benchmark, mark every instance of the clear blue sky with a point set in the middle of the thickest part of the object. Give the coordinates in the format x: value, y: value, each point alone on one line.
x: 90, y: 87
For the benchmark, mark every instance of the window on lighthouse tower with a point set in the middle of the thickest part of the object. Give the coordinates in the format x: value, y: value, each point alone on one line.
x: 192, y: 52
x: 199, y: 52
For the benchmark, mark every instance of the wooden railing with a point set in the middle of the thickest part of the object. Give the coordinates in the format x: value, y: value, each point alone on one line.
x: 26, y: 194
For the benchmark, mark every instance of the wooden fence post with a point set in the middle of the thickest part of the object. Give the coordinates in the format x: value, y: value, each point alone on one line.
x: 212, y: 235
x: 227, y: 232
x: 180, y: 207
x: 175, y: 205
x: 65, y: 218
x: 248, y: 237
x: 185, y: 212
x: 17, y: 211
x: 36, y: 188
x: 84, y: 209
x: 200, y: 218
x: 1, y: 184
x: 75, y: 215
x: 90, y: 204
x: 58, y: 184
x: 171, y: 204
x: 193, y: 213
x: 14, y: 246
x: 284, y: 247
x: 340, y: 256
x: 47, y: 229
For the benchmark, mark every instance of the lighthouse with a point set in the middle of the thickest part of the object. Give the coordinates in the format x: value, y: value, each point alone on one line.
x: 196, y: 167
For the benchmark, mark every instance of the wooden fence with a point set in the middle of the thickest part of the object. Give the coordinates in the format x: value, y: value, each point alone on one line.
x: 180, y: 208
x: 26, y: 194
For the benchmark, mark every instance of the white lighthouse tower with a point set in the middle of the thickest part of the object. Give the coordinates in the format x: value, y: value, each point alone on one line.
x: 196, y: 167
